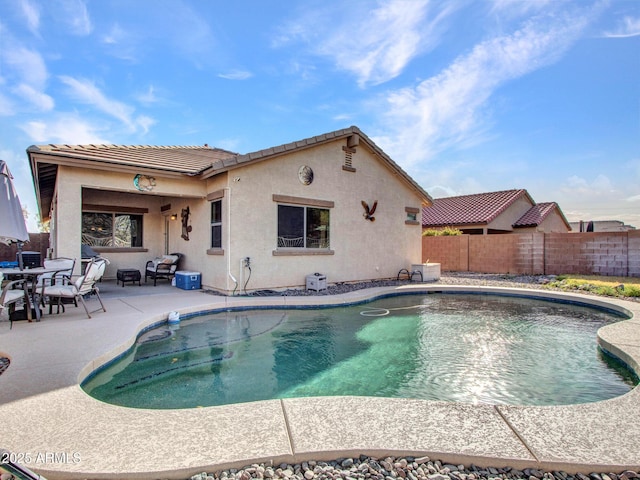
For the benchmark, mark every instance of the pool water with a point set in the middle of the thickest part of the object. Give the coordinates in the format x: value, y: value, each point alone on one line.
x: 457, y: 348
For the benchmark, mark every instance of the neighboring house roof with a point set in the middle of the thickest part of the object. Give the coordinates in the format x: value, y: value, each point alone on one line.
x: 476, y: 209
x: 194, y: 161
x: 536, y: 215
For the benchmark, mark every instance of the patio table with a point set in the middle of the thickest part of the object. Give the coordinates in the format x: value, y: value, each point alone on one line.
x: 31, y: 275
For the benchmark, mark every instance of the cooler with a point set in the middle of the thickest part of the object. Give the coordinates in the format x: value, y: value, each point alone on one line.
x: 188, y: 280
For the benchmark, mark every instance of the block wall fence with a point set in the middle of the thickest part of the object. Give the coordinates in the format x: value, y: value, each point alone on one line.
x: 592, y: 253
x: 38, y: 242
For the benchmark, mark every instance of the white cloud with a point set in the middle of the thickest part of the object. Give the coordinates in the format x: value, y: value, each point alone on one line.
x: 376, y: 47
x: 599, y: 186
x: 27, y: 75
x: 187, y: 31
x: 376, y: 44
x: 121, y: 43
x: 115, y: 35
x: 229, y: 144
x: 449, y: 108
x: 149, y: 97
x: 342, y: 117
x: 39, y: 99
x: 145, y: 122
x: 7, y: 108
x: 28, y: 65
x: 68, y: 128
x: 236, y: 75
x: 32, y: 15
x: 74, y: 13
x: 513, y: 8
x: 86, y: 92
x: 627, y: 27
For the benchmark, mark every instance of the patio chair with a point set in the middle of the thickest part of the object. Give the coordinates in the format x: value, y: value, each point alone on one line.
x: 62, y: 275
x: 162, y: 267
x: 64, y: 269
x: 83, y: 286
x: 11, y: 294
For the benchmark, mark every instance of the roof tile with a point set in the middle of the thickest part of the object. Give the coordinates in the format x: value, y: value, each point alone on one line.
x: 188, y: 159
x: 535, y: 215
x: 480, y: 208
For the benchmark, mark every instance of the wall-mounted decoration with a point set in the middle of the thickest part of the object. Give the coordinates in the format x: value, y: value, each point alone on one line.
x: 186, y: 228
x: 144, y: 183
x: 305, y: 175
x: 368, y: 212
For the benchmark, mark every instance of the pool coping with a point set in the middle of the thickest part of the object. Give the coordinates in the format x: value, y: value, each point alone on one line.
x: 46, y: 414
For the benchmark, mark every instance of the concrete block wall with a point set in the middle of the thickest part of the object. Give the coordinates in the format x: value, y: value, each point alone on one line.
x: 451, y: 252
x: 633, y: 244
x: 597, y: 253
x: 529, y: 253
x: 492, y: 254
x: 590, y: 253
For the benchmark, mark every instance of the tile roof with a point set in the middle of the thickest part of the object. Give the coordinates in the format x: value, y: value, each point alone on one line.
x: 267, y: 153
x: 202, y: 161
x: 480, y: 208
x: 189, y: 160
x: 536, y: 214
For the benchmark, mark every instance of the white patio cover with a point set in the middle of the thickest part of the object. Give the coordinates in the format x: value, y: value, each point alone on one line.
x: 12, y: 225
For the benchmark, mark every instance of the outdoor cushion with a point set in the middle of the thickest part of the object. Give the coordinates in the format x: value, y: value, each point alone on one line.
x: 165, y: 260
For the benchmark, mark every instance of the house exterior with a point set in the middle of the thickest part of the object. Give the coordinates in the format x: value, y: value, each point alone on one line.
x: 507, y: 211
x: 263, y: 220
x: 600, y: 226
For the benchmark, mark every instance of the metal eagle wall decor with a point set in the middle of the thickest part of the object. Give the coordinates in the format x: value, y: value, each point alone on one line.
x: 186, y: 228
x: 368, y: 212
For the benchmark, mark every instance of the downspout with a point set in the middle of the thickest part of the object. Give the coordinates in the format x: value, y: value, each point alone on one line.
x: 230, y: 275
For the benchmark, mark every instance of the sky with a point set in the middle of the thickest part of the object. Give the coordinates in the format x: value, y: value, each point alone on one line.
x: 467, y: 96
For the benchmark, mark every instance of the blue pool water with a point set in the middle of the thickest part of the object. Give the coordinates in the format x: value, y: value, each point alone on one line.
x: 459, y: 348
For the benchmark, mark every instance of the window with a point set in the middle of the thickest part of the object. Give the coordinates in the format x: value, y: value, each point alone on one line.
x: 216, y: 224
x: 120, y: 230
x: 412, y: 216
x: 303, y: 227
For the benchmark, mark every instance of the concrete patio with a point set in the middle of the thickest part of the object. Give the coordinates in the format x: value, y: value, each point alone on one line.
x: 65, y: 434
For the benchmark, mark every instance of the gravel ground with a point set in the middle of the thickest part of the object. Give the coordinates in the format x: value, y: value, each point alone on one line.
x: 392, y: 468
x: 447, y: 278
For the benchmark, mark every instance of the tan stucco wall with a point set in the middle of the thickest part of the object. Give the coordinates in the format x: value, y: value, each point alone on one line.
x: 360, y: 249
x: 554, y: 224
x: 512, y: 213
x: 76, y: 186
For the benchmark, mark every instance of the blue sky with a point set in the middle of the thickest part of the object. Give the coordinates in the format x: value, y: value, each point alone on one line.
x: 467, y: 96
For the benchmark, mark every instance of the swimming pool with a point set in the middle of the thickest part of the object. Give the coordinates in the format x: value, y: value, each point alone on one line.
x: 461, y: 348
